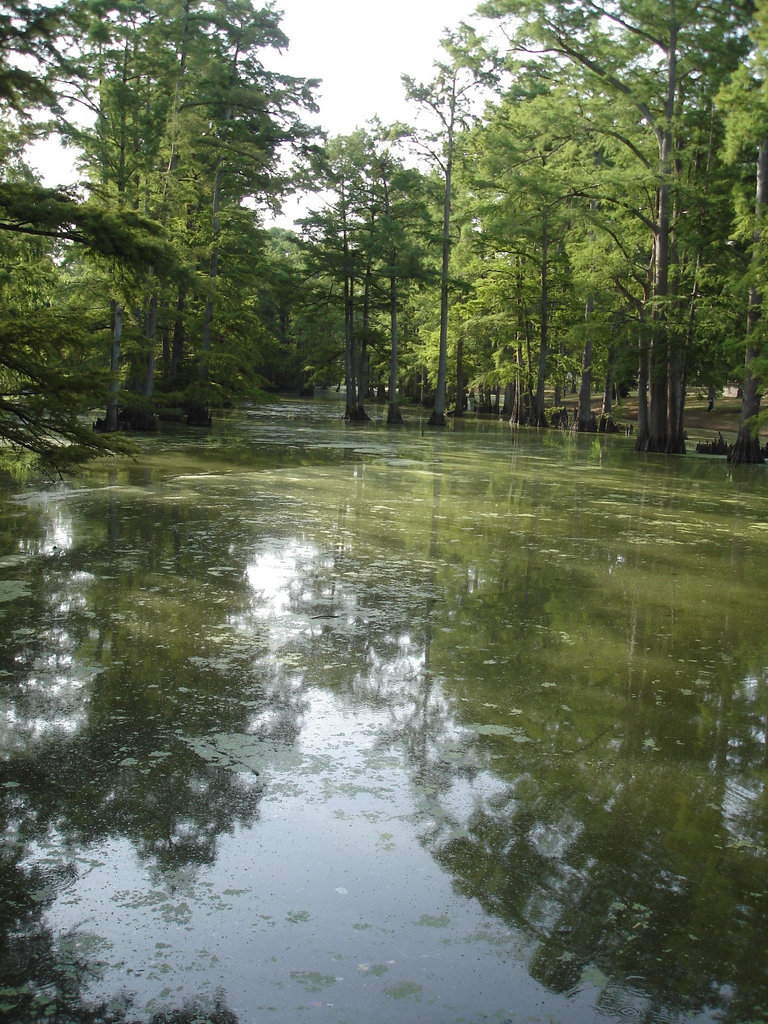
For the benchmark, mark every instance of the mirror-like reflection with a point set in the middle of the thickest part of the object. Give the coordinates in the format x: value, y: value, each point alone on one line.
x: 299, y: 721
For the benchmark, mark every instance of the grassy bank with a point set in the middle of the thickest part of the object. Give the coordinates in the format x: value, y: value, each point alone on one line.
x: 701, y: 424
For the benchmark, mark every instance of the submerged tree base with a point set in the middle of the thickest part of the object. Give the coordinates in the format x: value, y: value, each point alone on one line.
x: 745, y: 451
x: 607, y: 425
x: 437, y: 419
x: 718, y: 446
x: 394, y: 416
x: 135, y: 417
x: 660, y: 446
x: 356, y: 415
x: 198, y: 415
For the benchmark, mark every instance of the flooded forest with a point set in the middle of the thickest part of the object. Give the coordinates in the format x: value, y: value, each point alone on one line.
x: 382, y: 627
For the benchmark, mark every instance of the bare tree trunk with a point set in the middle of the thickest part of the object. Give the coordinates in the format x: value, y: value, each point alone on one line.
x: 213, y: 273
x: 557, y: 399
x: 509, y: 399
x: 515, y: 414
x: 394, y: 416
x: 658, y: 355
x: 363, y: 360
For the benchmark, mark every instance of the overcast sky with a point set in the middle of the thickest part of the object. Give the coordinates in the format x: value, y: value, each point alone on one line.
x: 360, y: 50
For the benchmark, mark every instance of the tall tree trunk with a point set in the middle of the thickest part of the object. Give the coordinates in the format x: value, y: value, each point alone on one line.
x: 394, y: 416
x: 689, y: 340
x: 352, y: 374
x: 363, y: 380
x: 110, y: 419
x: 643, y: 357
x: 363, y: 359
x: 658, y: 354
x: 172, y: 358
x: 509, y: 399
x: 177, y: 345
x: 350, y: 354
x: 529, y: 397
x: 557, y: 398
x: 437, y: 419
x: 213, y: 273
x: 173, y: 160
x: 150, y: 335
x: 746, y: 448
x: 675, y: 400
x: 459, y: 408
x: 643, y: 387
x: 607, y: 405
x: 207, y: 329
x: 515, y: 414
x: 111, y: 415
x: 585, y: 418
x: 524, y: 405
x: 539, y: 416
x: 165, y: 349
x: 676, y: 346
x: 662, y: 435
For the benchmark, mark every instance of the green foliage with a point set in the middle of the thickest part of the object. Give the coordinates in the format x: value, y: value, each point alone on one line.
x: 186, y: 135
x: 52, y: 213
x: 29, y: 34
x: 49, y: 385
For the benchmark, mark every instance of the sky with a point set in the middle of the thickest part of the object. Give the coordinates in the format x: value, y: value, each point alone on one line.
x: 360, y: 50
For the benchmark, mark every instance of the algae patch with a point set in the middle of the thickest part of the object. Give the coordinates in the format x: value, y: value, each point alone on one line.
x: 405, y: 990
x: 12, y: 590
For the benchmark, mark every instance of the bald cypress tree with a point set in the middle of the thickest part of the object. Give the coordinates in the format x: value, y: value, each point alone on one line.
x: 447, y: 99
x: 49, y: 381
x: 659, y: 58
x: 744, y: 100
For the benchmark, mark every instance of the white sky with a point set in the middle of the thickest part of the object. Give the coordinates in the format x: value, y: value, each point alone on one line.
x: 360, y: 48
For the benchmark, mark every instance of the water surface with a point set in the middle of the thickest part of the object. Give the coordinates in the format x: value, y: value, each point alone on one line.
x: 307, y: 722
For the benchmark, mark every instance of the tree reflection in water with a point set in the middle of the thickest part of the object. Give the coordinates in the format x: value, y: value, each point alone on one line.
x: 640, y: 873
x: 589, y: 775
x: 99, y: 753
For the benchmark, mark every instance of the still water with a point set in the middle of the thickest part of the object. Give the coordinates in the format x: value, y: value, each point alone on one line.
x: 305, y: 722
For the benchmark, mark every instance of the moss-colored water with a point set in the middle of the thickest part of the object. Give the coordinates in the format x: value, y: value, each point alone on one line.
x: 309, y: 722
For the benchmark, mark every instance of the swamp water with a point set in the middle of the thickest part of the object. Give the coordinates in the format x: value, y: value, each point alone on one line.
x: 304, y: 722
